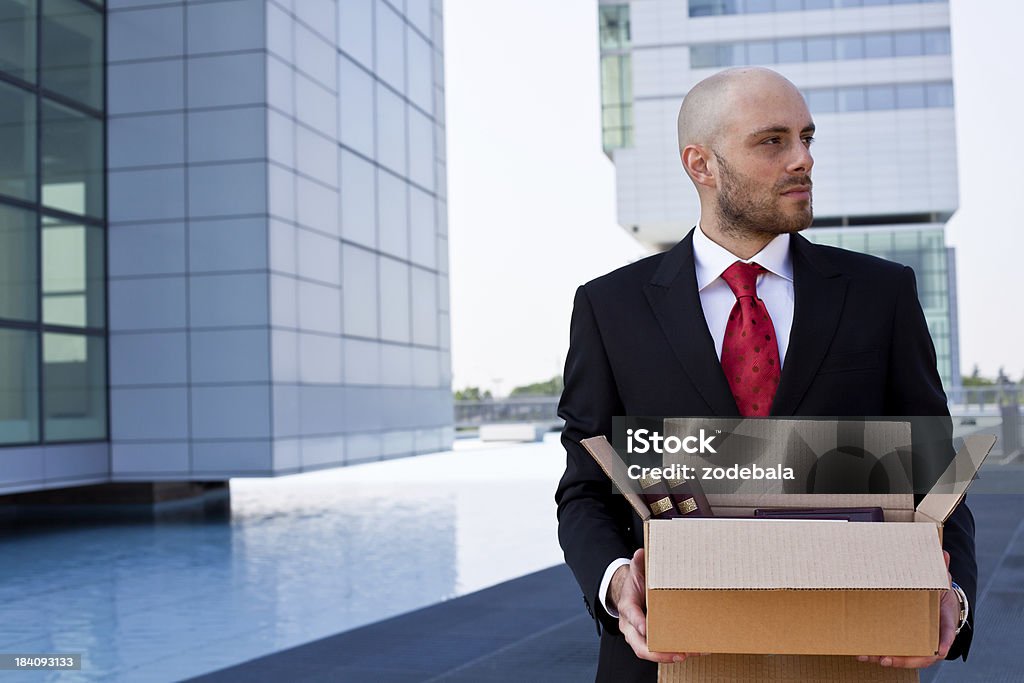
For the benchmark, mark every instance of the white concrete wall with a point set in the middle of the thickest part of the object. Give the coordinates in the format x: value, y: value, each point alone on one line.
x: 278, y: 236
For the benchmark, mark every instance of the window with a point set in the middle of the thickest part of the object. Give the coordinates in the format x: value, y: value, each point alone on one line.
x: 851, y: 99
x: 850, y: 47
x: 910, y: 95
x: 614, y: 26
x: 72, y: 154
x: 878, y: 45
x: 731, y: 54
x: 703, y: 8
x: 611, y: 117
x: 616, y: 101
x: 939, y: 94
x: 19, y: 386
x: 72, y: 282
x: 18, y: 38
x: 74, y: 387
x: 822, y: 101
x: 616, y: 77
x: 790, y: 50
x: 906, y: 241
x: 761, y: 52
x: 17, y: 143
x: 72, y: 51
x: 703, y: 56
x: 880, y: 97
x: 817, y: 49
x: 759, y: 6
x: 908, y: 44
x: 17, y: 264
x: 936, y: 42
x: 707, y: 8
x: 820, y: 49
x: 611, y: 77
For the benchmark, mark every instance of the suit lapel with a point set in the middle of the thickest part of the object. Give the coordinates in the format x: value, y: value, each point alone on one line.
x: 672, y: 294
x: 819, y: 293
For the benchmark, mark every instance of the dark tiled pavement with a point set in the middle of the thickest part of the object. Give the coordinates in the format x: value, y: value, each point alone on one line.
x: 535, y: 628
x: 532, y: 628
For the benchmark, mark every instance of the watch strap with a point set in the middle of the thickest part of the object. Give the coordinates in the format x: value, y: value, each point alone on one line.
x: 965, y: 607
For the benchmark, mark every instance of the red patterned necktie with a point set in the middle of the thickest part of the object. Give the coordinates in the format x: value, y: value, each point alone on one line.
x: 750, y: 352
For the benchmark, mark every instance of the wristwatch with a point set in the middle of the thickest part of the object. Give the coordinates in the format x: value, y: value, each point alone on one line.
x: 965, y: 607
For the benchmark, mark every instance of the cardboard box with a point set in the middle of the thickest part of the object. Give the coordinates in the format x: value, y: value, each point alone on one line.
x: 781, y: 669
x: 798, y: 587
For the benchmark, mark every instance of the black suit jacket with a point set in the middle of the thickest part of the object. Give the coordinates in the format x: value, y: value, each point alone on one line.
x: 639, y: 345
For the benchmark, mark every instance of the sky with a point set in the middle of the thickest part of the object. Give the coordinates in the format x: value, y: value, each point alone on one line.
x: 531, y: 195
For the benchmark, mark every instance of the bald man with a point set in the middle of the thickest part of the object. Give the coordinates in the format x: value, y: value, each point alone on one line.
x: 845, y: 330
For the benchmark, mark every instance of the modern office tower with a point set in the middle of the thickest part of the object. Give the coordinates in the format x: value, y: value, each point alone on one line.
x: 877, y: 75
x: 223, y: 242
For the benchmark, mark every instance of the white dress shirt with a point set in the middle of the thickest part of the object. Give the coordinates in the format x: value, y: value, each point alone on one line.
x: 775, y: 289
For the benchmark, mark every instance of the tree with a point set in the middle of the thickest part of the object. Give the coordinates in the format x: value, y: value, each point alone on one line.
x: 976, y: 380
x: 472, y: 394
x: 551, y: 387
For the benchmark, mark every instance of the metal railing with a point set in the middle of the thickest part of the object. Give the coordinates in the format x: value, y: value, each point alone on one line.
x: 988, y: 399
x: 519, y: 409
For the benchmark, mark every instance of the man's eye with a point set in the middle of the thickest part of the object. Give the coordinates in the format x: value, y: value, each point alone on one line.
x: 808, y: 140
x: 772, y: 141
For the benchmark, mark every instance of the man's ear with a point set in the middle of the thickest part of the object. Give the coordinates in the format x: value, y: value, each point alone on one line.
x: 697, y: 163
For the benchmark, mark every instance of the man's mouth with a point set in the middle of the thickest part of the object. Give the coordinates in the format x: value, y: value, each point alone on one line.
x: 798, y: 192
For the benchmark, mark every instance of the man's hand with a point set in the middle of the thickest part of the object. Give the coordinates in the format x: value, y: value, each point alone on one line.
x: 627, y: 595
x: 949, y: 617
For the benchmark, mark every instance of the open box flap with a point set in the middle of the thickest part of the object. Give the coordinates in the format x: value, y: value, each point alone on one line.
x: 612, y: 464
x: 952, y: 486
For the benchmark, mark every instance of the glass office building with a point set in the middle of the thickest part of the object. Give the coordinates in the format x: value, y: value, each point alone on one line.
x: 223, y: 238
x: 52, y: 223
x: 877, y: 76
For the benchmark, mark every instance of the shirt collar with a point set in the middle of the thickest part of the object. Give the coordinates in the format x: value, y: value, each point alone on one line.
x: 711, y: 259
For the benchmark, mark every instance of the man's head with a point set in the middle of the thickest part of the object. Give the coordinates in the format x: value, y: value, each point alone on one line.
x: 744, y: 138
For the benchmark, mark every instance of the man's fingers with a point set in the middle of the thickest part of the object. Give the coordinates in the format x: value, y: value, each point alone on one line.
x: 637, y: 570
x: 946, y: 643
x: 900, y: 662
x: 909, y: 662
x: 632, y: 613
x: 949, y: 611
x: 639, y: 645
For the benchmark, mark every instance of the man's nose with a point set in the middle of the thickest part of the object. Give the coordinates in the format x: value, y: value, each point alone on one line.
x: 802, y: 161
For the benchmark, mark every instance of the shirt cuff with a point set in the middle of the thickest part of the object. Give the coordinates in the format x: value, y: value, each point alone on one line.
x: 602, y: 592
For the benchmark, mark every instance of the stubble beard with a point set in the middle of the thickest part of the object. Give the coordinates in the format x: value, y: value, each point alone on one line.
x: 745, y: 210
